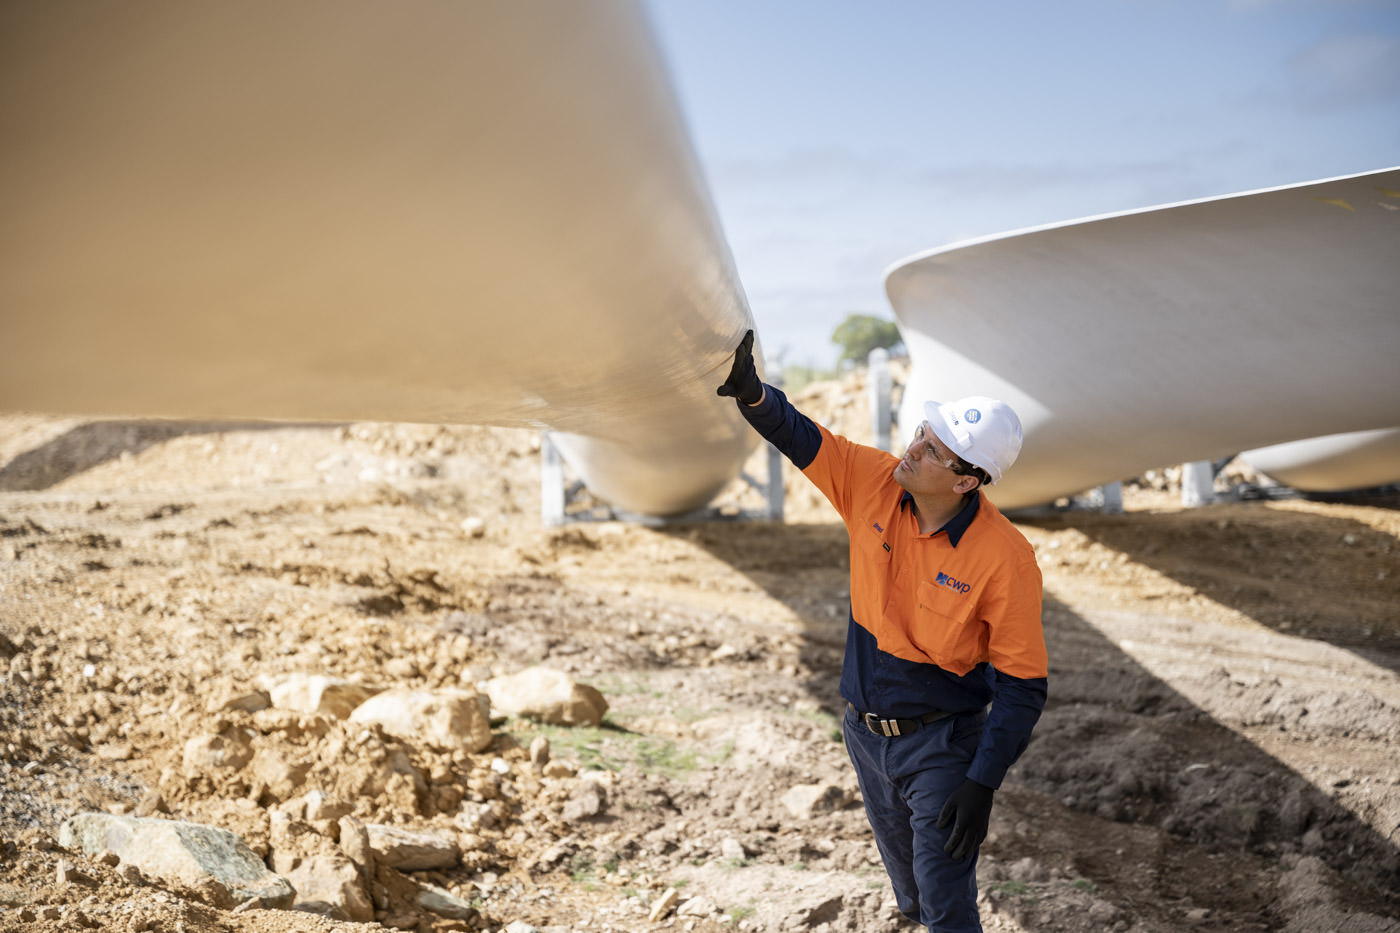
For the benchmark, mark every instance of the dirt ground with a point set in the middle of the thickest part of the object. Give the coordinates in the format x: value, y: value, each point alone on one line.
x: 1218, y: 752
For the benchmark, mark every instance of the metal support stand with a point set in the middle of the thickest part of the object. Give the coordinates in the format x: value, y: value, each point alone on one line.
x: 565, y: 500
x: 554, y: 495
x: 881, y: 388
x: 773, y: 490
x: 1111, y: 498
x: 1197, y: 483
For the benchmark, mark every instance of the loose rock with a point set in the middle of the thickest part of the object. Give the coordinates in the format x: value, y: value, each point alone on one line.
x: 410, y: 851
x: 450, y: 720
x: 547, y: 695
x: 317, y: 693
x: 331, y: 886
x: 445, y: 904
x: 187, y: 853
x: 807, y: 800
x: 663, y: 905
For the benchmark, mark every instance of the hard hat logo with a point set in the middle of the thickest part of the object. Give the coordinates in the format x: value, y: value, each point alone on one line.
x: 972, y: 415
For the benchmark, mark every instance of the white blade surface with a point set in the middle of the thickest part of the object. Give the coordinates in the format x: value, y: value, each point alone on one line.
x: 1181, y: 333
x: 1338, y: 462
x: 356, y: 210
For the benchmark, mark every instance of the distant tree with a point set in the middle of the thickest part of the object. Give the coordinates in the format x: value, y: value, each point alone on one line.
x: 858, y: 334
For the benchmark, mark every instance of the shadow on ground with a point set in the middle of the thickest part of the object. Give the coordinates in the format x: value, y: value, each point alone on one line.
x: 1128, y: 784
x: 96, y: 442
x: 1298, y: 572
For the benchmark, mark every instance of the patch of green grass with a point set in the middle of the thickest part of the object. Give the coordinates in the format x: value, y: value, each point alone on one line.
x: 1084, y: 884
x: 610, y: 747
x: 1012, y: 889
x: 584, y: 870
x: 616, y: 685
x: 740, y: 913
x: 1009, y: 887
x: 667, y: 757
x: 581, y: 871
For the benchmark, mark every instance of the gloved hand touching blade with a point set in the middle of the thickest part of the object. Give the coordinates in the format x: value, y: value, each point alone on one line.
x: 743, y: 382
x: 969, y: 809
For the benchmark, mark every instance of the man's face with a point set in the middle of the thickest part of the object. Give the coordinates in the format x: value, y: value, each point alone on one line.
x: 928, y: 466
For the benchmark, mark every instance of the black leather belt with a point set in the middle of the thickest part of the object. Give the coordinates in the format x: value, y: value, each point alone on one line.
x: 892, y: 727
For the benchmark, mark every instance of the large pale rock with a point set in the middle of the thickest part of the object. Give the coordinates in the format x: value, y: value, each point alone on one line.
x: 547, y: 695
x: 317, y: 693
x: 187, y: 853
x: 805, y: 801
x: 449, y: 720
x: 331, y: 885
x: 444, y: 903
x: 410, y: 851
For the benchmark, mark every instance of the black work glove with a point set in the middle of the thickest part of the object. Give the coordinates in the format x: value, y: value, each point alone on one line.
x: 743, y: 381
x: 969, y: 809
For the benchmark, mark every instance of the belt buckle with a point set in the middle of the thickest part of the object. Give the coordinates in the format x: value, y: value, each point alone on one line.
x: 886, y: 727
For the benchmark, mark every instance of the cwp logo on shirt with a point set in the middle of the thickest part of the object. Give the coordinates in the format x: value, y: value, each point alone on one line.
x: 957, y: 585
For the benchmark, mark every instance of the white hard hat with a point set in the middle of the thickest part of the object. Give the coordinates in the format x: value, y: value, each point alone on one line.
x: 981, y: 430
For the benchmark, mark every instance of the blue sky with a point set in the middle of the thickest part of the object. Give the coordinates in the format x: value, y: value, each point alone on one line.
x: 840, y: 137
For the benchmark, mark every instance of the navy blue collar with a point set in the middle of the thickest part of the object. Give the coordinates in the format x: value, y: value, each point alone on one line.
x: 956, y: 525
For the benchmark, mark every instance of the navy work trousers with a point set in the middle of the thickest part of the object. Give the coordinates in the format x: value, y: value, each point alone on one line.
x: 905, y: 780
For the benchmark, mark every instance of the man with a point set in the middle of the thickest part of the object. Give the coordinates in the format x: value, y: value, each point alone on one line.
x: 945, y: 621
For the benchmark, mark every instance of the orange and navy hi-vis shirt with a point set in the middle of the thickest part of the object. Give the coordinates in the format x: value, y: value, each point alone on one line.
x: 944, y: 621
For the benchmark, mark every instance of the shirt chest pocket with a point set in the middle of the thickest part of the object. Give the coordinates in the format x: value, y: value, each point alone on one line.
x: 946, y: 628
x: 872, y: 577
x: 873, y: 552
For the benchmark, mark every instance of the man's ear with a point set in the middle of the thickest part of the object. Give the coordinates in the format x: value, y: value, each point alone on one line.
x: 966, y: 484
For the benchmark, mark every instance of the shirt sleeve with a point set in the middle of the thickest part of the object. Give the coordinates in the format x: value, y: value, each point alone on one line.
x: 796, y: 436
x: 834, y: 464
x: 1016, y: 649
x: 1016, y: 706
